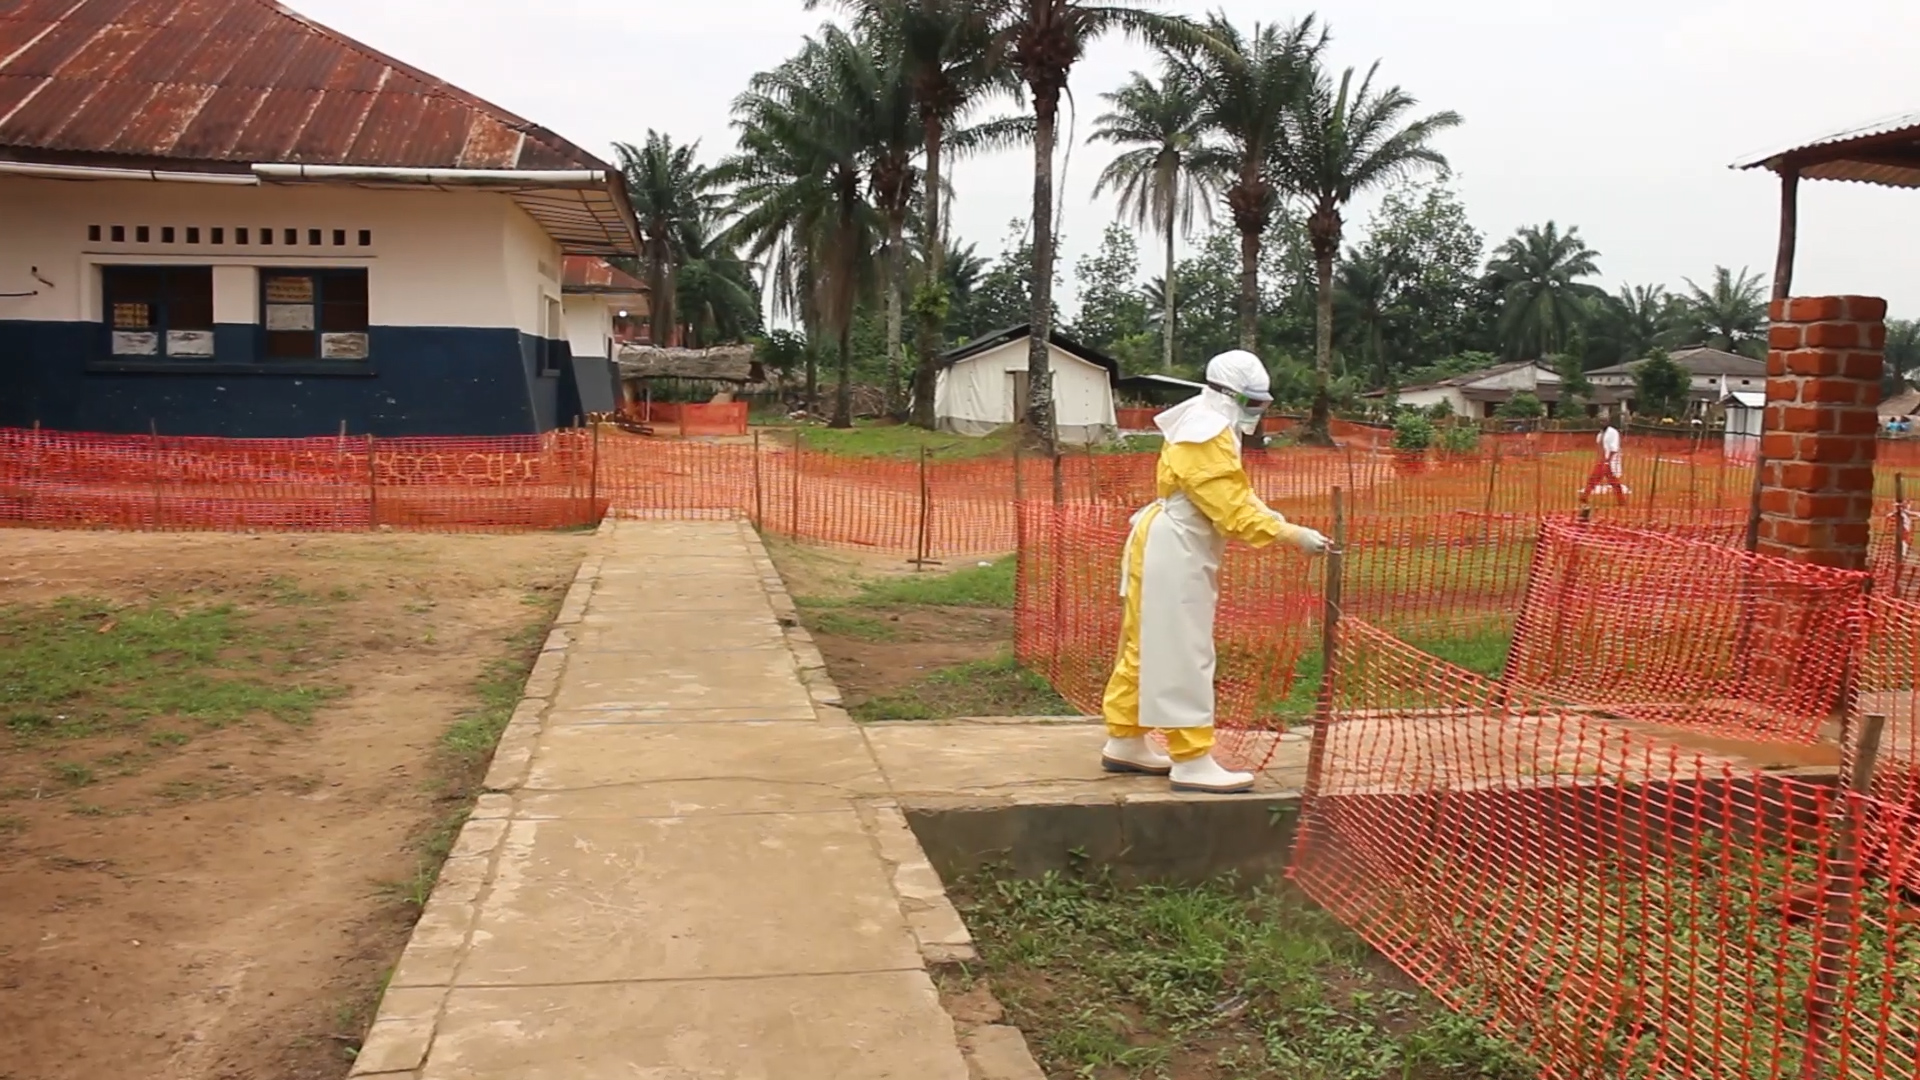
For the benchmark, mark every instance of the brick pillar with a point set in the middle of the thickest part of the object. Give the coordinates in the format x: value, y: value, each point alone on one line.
x: 1822, y: 422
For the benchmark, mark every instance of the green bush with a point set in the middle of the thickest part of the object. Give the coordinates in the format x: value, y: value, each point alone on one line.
x: 1459, y: 439
x: 1522, y: 406
x: 1412, y: 432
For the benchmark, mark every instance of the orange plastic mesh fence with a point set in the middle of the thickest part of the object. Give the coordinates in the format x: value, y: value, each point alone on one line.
x: 1612, y: 903
x: 1068, y: 610
x: 1673, y: 630
x: 1887, y: 683
x: 354, y: 482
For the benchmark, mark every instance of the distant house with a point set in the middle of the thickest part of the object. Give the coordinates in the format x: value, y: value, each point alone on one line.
x: 222, y: 218
x: 1478, y: 395
x: 1710, y: 373
x: 983, y: 386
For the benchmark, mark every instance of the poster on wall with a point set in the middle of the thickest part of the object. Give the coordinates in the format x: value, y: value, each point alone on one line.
x: 289, y: 290
x: 189, y: 343
x: 136, y: 343
x: 289, y: 316
x: 343, y: 346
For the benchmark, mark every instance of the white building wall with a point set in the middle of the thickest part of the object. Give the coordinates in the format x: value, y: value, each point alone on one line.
x: 589, y: 325
x: 1427, y: 399
x: 454, y: 259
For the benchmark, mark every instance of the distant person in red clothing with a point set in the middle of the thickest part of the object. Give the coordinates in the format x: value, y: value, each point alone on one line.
x: 1607, y: 470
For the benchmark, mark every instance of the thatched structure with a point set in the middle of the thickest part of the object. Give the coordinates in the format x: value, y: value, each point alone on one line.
x: 722, y: 363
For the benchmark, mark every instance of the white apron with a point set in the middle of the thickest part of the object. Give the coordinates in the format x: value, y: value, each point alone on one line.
x: 1179, y: 588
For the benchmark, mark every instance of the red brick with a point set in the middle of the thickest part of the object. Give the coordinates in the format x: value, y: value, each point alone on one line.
x: 1812, y: 362
x: 1850, y: 534
x: 1855, y: 421
x: 1876, y: 336
x: 1785, y: 336
x: 1865, y: 366
x: 1833, y: 335
x: 1860, y: 507
x: 1853, y: 478
x: 1831, y: 391
x: 1798, y: 418
x: 1803, y: 476
x: 1808, y: 309
x: 1780, y: 445
x: 1777, y: 500
x: 1772, y: 475
x: 1776, y: 364
x: 1783, y: 389
x: 1870, y: 394
x: 1790, y: 531
x: 1866, y: 309
x: 1816, y: 507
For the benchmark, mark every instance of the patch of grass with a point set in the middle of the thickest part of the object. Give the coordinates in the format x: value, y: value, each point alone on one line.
x: 877, y: 440
x: 1210, y: 982
x: 846, y: 624
x: 1483, y: 652
x: 997, y: 687
x: 975, y: 585
x: 72, y: 773
x: 76, y: 668
x: 11, y: 825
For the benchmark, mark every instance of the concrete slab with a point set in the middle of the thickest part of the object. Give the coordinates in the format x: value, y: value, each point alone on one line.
x: 990, y: 761
x: 717, y: 897
x: 732, y: 680
x: 781, y: 757
x: 614, y: 714
x: 885, y: 1026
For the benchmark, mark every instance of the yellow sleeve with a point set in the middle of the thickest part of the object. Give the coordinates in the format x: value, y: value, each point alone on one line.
x: 1213, y: 478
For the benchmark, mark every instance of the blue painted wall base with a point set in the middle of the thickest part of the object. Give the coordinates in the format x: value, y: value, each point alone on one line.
x: 418, y: 381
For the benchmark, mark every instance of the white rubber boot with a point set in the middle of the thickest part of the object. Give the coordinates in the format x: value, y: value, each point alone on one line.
x: 1204, y: 774
x: 1136, y: 755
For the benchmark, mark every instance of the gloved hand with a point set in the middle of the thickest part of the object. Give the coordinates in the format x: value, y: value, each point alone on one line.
x: 1310, y: 541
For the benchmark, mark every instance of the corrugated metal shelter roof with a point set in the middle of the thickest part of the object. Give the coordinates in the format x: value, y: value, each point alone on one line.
x: 1886, y: 152
x: 589, y: 274
x: 232, y: 83
x: 1701, y: 361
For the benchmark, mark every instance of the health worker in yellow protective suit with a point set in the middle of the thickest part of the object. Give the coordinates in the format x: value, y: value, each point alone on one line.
x: 1163, y: 677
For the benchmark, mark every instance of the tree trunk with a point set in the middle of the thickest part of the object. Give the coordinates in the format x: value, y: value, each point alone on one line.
x: 1249, y: 290
x: 1166, y: 316
x: 1046, y: 107
x: 843, y: 395
x: 896, y: 265
x: 659, y: 300
x: 1319, y: 422
x: 813, y: 378
x: 929, y: 301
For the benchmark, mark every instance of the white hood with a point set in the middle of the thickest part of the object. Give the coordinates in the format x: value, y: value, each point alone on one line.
x: 1199, y: 418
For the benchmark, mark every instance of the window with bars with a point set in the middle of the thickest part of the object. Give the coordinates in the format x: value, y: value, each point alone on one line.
x: 159, y: 311
x: 314, y: 314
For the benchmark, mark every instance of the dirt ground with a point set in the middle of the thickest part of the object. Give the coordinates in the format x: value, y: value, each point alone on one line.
x: 873, y: 651
x: 224, y: 902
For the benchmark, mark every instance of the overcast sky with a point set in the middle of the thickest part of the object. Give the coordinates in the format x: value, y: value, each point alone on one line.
x: 1618, y: 117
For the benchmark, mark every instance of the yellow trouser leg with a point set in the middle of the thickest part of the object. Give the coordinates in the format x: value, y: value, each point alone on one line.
x: 1120, y: 706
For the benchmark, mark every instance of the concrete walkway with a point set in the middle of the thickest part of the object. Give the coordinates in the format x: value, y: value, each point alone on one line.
x: 688, y: 864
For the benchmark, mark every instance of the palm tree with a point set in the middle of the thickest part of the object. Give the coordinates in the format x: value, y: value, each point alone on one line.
x: 951, y: 62
x: 802, y: 175
x: 1342, y: 139
x: 716, y: 296
x: 670, y: 191
x: 1163, y: 180
x: 1634, y: 322
x: 1731, y: 314
x: 1361, y: 295
x: 1041, y: 40
x: 1537, y: 273
x: 1251, y: 86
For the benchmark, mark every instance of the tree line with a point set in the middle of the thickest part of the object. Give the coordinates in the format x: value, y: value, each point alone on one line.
x: 834, y: 205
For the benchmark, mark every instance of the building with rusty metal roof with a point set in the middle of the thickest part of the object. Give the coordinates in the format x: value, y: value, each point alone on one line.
x: 225, y: 218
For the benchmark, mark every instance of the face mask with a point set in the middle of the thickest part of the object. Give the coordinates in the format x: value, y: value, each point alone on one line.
x: 1250, y: 418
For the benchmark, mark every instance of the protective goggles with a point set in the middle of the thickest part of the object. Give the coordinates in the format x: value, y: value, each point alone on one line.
x: 1244, y: 400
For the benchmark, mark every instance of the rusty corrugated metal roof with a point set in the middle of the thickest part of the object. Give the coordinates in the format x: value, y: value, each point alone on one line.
x: 588, y: 273
x: 240, y: 81
x: 1885, y: 152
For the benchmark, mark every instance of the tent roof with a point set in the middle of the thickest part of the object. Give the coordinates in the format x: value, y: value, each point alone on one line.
x: 987, y: 342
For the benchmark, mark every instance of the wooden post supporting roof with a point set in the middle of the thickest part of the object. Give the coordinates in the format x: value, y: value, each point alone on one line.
x: 1789, y: 230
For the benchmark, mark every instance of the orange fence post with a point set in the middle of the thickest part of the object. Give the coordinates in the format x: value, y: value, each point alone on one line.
x: 1899, y: 529
x: 153, y: 455
x: 593, y: 478
x: 340, y: 477
x: 921, y: 541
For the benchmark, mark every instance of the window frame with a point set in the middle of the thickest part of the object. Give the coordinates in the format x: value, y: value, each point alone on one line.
x: 264, y: 358
x: 162, y: 306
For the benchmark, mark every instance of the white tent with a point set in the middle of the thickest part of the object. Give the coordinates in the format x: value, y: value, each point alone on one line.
x: 983, y: 386
x: 1745, y: 410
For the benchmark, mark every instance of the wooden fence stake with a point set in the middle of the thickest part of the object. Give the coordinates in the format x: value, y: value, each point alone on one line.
x: 1329, y: 645
x: 153, y: 456
x: 373, y: 486
x: 795, y: 519
x: 759, y: 504
x: 1836, y: 922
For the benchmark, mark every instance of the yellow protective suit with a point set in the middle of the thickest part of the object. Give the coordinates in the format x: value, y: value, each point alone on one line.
x: 1204, y: 500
